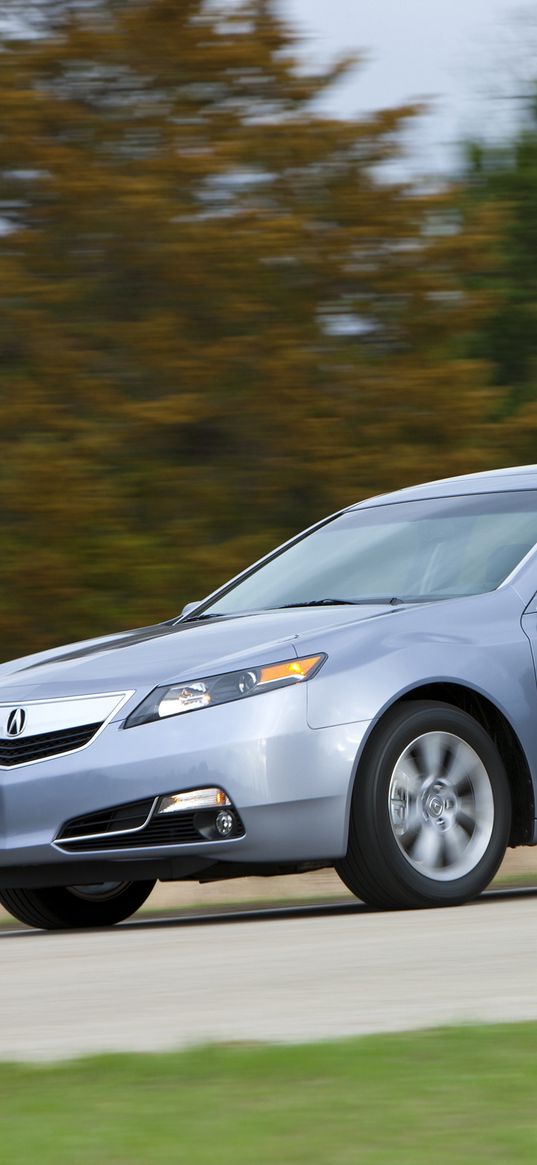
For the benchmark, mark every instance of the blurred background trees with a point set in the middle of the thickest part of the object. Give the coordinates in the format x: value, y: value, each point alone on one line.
x: 220, y: 314
x: 504, y: 179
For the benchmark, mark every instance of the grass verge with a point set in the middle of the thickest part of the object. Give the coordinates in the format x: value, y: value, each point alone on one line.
x: 464, y: 1095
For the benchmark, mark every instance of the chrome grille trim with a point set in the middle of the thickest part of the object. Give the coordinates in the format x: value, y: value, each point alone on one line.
x: 60, y: 714
x: 60, y: 841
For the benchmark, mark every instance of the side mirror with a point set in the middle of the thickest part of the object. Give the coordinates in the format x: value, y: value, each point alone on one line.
x: 189, y: 607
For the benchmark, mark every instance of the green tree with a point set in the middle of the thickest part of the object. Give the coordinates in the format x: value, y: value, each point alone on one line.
x: 501, y: 180
x: 218, y: 318
x: 505, y: 178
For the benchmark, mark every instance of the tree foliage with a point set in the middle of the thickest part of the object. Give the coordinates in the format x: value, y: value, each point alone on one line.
x: 218, y: 318
x: 501, y: 180
x: 505, y: 178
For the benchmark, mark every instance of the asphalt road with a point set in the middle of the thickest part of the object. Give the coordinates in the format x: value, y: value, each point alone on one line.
x: 291, y: 975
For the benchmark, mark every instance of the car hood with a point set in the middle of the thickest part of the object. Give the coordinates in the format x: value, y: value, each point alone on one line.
x: 149, y: 656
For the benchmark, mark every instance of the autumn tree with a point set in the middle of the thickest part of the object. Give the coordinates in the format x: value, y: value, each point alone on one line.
x: 218, y: 316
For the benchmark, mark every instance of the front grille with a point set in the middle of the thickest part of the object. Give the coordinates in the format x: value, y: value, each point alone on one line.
x: 23, y: 749
x: 172, y: 829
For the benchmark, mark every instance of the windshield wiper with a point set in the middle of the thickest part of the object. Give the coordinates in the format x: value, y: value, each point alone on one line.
x: 370, y: 601
x: 337, y: 603
x: 199, y: 618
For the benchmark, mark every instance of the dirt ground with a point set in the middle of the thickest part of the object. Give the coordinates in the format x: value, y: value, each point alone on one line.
x: 520, y: 863
x: 322, y: 884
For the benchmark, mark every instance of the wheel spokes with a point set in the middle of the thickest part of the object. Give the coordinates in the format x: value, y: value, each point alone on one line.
x: 456, y: 841
x: 460, y: 766
x: 427, y: 849
x: 430, y: 750
x: 441, y: 806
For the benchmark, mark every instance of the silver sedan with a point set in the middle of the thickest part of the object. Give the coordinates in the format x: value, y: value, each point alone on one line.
x: 364, y: 697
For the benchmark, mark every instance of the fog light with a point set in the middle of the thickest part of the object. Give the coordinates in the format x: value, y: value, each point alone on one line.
x: 224, y: 823
x: 193, y: 799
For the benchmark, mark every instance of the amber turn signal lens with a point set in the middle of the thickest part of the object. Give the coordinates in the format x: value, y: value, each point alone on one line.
x: 294, y: 669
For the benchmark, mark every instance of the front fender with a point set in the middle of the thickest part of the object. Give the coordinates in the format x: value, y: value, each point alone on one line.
x: 475, y: 642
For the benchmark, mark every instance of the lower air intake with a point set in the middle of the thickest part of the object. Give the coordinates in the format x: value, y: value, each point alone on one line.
x: 131, y: 827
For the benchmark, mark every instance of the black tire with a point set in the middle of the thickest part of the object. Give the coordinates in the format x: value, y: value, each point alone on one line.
x: 380, y: 867
x: 66, y: 908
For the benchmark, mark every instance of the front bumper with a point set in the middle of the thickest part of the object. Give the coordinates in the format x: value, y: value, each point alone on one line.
x: 290, y: 784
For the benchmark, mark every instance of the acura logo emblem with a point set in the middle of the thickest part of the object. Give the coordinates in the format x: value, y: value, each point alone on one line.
x: 16, y: 722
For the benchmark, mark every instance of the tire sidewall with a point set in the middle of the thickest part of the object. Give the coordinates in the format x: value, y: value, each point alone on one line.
x: 57, y: 908
x: 85, y: 912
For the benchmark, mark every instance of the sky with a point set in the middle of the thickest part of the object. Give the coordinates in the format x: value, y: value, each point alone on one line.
x: 463, y: 56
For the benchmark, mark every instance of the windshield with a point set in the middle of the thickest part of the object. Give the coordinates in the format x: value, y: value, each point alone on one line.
x: 432, y: 549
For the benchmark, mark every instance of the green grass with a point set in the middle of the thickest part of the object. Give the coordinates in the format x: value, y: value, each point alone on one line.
x: 450, y: 1097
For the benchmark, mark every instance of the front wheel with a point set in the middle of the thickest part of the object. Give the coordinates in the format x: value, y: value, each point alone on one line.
x: 70, y: 907
x: 431, y: 811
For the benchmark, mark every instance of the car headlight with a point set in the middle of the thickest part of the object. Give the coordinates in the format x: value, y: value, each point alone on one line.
x: 236, y: 685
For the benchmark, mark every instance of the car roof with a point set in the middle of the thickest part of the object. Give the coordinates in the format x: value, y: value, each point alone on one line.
x: 491, y: 481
